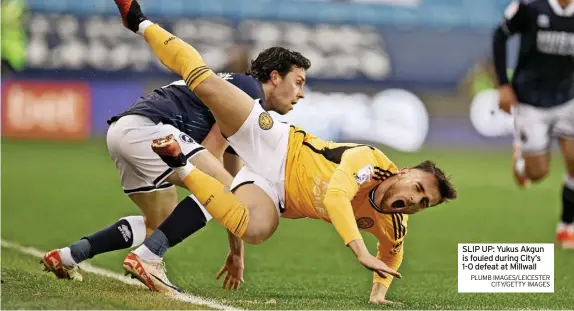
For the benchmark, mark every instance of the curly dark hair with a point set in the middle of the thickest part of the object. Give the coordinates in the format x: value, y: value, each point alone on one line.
x: 445, y: 187
x: 276, y: 58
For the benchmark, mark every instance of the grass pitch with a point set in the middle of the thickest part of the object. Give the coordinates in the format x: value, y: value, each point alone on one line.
x: 55, y: 193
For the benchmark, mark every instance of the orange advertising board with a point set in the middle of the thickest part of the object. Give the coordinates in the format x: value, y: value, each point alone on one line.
x: 46, y: 110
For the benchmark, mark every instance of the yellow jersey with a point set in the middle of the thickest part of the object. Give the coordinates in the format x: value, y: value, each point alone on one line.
x: 336, y: 182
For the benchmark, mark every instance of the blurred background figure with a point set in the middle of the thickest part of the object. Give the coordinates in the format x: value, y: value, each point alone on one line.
x: 541, y: 95
x: 238, y: 59
x: 14, y: 38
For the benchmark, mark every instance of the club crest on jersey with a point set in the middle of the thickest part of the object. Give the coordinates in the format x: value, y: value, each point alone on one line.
x: 265, y: 121
x: 364, y: 174
x: 186, y: 138
x: 543, y: 21
x: 365, y: 223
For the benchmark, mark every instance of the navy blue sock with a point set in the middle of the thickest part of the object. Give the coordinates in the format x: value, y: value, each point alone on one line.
x: 186, y: 219
x: 567, y: 205
x: 114, y: 237
x: 81, y: 250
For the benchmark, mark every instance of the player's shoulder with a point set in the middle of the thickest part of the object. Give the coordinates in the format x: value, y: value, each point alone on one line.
x: 358, y: 155
x: 355, y: 149
x: 232, y: 77
x: 176, y: 89
x: 368, y: 152
x: 531, y: 4
x: 238, y: 78
x: 521, y: 5
x: 378, y: 152
x: 384, y: 160
x: 248, y: 84
x: 175, y: 84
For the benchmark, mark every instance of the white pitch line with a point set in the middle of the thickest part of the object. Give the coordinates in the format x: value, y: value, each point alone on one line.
x: 116, y: 276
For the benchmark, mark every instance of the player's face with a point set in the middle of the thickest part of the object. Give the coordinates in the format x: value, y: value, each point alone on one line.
x: 288, y: 90
x: 413, y: 191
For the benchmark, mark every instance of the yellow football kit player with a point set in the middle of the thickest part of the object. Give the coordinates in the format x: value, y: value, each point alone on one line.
x: 337, y: 181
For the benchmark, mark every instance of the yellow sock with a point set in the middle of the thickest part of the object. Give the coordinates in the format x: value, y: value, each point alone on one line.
x: 177, y: 55
x: 217, y: 199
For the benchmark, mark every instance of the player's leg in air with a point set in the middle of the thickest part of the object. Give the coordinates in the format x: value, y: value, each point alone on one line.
x: 249, y: 129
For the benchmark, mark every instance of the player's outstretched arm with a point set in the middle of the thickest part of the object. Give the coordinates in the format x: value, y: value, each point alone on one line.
x: 514, y: 22
x: 342, y: 188
x: 507, y: 97
x: 369, y: 261
x: 392, y: 256
x: 229, y: 104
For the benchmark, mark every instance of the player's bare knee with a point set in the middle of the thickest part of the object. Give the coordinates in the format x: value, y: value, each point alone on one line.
x: 257, y: 234
x: 536, y: 166
x: 262, y: 225
x: 536, y: 172
x: 253, y: 238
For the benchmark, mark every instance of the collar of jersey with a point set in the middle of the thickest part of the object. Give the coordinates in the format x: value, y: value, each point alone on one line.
x: 559, y: 10
x: 263, y: 100
x: 372, y: 200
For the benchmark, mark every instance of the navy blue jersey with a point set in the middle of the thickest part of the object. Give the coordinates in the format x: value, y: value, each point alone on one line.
x: 177, y: 105
x: 544, y: 74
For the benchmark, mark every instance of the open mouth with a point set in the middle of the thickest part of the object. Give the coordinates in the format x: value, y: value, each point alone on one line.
x: 398, y: 204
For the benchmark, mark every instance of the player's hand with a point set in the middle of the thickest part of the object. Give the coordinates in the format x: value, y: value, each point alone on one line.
x: 372, y: 263
x: 506, y: 98
x: 378, y: 294
x: 233, y: 270
x: 383, y: 301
